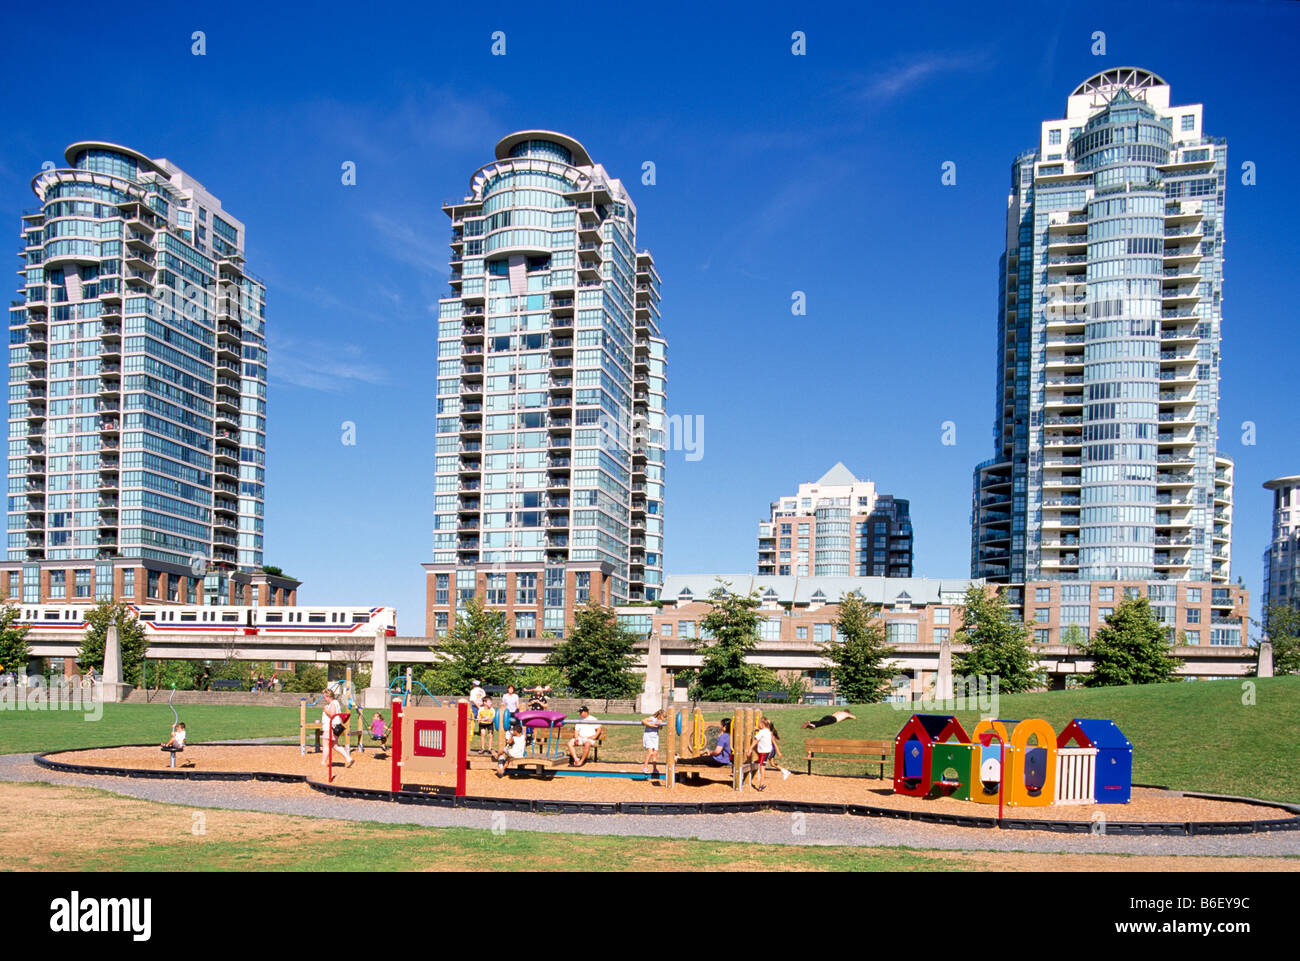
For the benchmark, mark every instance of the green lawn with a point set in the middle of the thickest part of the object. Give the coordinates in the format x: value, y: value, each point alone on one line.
x: 22, y: 731
x: 1190, y: 736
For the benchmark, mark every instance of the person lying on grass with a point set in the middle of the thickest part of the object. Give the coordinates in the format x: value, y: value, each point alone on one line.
x: 831, y: 719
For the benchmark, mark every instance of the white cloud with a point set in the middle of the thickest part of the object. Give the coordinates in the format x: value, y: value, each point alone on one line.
x: 317, y: 365
x: 905, y: 76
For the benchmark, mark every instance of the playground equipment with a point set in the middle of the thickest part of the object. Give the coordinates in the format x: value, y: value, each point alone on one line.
x: 348, y: 697
x: 405, y: 685
x: 1017, y: 763
x: 430, y: 739
x: 176, y: 719
x: 1112, y: 760
x: 692, y: 735
x: 914, y: 756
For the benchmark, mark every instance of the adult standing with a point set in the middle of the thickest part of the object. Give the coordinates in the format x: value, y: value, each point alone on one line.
x: 476, y: 695
x: 510, y: 700
x: 331, y: 719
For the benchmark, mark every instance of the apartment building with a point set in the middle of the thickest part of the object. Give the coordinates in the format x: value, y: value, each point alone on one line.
x: 836, y: 526
x: 1282, y: 557
x: 137, y: 391
x: 551, y: 395
x: 1105, y: 464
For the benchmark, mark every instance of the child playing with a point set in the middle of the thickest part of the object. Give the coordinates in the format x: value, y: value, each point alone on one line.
x: 379, y: 730
x: 762, y: 744
x: 485, y: 715
x: 650, y: 740
x: 177, y: 742
x: 513, y: 752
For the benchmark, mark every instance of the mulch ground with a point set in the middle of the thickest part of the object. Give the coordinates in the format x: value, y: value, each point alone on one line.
x: 372, y: 772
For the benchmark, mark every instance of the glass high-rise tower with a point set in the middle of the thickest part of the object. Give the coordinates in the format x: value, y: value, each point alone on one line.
x: 137, y: 388
x: 1105, y: 460
x: 549, y: 462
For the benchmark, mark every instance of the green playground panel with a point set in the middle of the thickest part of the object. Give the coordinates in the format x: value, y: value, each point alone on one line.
x: 951, y: 762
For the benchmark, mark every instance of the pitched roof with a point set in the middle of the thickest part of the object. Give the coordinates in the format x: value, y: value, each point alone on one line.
x: 838, y: 476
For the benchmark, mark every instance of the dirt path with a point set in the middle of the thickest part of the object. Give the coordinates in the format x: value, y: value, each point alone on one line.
x: 64, y: 826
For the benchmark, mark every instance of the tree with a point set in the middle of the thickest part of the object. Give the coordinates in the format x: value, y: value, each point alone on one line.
x: 14, y: 650
x: 794, y: 684
x: 476, y: 648
x: 598, y: 656
x: 724, y: 673
x: 1131, y: 649
x: 1282, y: 622
x: 308, y: 678
x: 164, y: 675
x: 997, y: 642
x: 860, y: 665
x: 130, y: 636
x: 272, y: 570
x: 542, y: 675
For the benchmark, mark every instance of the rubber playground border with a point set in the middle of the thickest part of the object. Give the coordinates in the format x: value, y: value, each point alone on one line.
x: 441, y: 798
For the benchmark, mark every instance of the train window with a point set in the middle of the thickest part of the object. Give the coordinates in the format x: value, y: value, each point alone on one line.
x: 276, y: 618
x: 51, y: 615
x: 360, y: 618
x: 229, y: 617
x: 189, y: 616
x: 316, y: 617
x: 147, y: 616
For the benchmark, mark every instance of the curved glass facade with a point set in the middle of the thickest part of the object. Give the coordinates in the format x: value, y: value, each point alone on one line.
x: 551, y: 424
x: 1109, y: 331
x: 138, y: 374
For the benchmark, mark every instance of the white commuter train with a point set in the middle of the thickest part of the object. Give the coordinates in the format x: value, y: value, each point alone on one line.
x: 229, y: 619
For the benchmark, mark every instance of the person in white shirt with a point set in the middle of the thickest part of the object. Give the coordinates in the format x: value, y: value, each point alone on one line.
x: 585, y: 733
x: 476, y: 695
x: 514, y: 750
x: 331, y: 712
x: 761, y: 744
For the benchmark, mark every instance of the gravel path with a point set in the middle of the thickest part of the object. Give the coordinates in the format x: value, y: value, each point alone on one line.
x: 772, y: 828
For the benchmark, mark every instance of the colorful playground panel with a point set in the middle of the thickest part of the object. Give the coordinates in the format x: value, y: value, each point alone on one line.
x: 913, y: 758
x: 1025, y: 762
x: 432, y: 740
x: 1114, y: 759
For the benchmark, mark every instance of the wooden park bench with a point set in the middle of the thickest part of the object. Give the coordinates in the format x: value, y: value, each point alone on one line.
x: 828, y: 748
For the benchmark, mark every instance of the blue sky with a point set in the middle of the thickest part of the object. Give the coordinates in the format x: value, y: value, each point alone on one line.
x: 775, y: 173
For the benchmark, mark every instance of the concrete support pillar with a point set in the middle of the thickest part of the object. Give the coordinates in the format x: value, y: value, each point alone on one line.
x: 376, y: 695
x: 1265, y: 667
x: 943, y: 682
x: 111, y: 689
x: 652, y: 697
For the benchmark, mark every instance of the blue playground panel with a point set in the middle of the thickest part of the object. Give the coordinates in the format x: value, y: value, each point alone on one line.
x: 1114, y: 784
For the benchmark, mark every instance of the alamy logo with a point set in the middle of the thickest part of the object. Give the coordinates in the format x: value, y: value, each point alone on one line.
x: 75, y: 915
